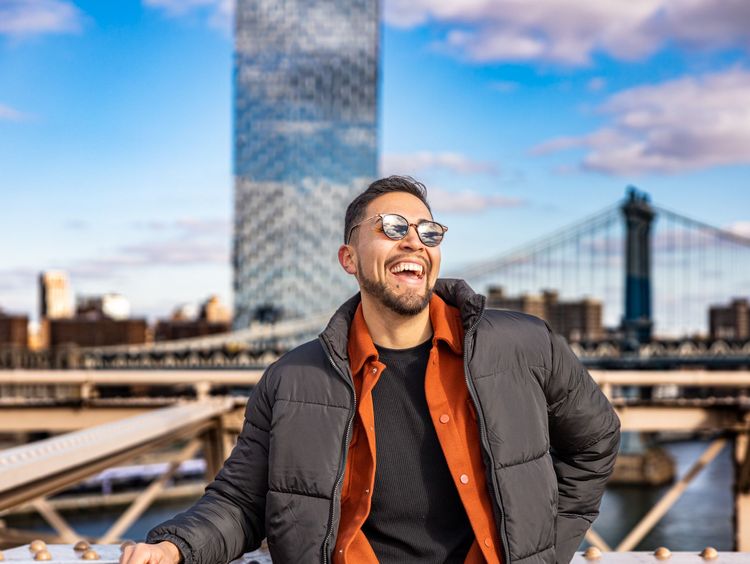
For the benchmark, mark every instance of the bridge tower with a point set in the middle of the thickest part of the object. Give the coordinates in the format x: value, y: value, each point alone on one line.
x: 637, y: 323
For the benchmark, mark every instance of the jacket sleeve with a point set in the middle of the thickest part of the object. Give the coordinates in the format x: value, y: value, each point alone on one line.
x: 584, y: 437
x: 229, y: 519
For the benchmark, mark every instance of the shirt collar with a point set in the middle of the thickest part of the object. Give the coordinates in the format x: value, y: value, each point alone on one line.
x: 446, y: 324
x: 446, y: 327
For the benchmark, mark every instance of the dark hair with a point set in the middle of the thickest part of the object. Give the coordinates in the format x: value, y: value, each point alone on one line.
x: 358, y: 207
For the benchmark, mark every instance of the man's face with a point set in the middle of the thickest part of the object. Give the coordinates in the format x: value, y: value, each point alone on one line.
x: 384, y: 267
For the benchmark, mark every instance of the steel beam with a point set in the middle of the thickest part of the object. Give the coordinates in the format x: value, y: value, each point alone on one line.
x: 132, y: 377
x: 50, y: 514
x: 55, y: 419
x: 741, y: 496
x: 670, y: 498
x: 145, y: 499
x: 688, y: 378
x: 692, y: 378
x: 47, y: 466
x: 655, y: 419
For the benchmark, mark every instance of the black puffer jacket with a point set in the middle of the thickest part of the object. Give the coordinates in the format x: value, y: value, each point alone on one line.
x: 549, y: 439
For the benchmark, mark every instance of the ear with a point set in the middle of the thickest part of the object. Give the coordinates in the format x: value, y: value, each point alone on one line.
x: 346, y: 259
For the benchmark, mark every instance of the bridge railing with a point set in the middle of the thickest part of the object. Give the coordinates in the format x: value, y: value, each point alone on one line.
x: 31, y: 472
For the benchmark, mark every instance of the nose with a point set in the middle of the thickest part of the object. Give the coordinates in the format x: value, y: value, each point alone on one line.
x: 411, y: 240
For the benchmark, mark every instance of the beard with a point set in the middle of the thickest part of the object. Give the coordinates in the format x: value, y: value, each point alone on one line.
x: 407, y: 304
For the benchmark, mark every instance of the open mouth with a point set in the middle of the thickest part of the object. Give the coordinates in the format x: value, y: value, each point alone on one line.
x: 407, y: 271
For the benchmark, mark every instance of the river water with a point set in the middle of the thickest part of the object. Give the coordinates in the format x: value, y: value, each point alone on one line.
x: 702, y: 517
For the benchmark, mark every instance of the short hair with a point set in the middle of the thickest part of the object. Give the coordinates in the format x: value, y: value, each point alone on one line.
x: 357, y: 208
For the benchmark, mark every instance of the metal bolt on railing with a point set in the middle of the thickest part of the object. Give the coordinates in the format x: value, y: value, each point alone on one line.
x: 90, y: 555
x: 662, y: 553
x: 2, y: 556
x: 592, y: 553
x: 37, y: 545
x: 42, y: 554
x: 709, y: 553
x: 81, y: 546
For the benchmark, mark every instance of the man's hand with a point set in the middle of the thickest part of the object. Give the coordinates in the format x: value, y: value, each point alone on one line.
x: 162, y: 553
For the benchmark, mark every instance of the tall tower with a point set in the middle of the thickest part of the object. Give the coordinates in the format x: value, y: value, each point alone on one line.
x: 305, y: 143
x: 639, y: 215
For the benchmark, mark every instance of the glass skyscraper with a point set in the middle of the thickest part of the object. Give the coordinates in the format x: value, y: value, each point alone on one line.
x: 305, y: 126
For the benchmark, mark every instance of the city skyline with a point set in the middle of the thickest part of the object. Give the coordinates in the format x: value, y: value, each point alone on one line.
x: 115, y: 130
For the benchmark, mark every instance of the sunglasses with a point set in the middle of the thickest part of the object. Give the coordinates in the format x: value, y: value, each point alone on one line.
x: 396, y: 227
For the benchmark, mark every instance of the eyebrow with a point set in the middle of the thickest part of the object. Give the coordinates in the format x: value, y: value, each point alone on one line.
x: 402, y: 215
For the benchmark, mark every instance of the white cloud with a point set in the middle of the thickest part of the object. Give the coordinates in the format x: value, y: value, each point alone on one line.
x: 468, y: 201
x: 685, y: 124
x: 741, y: 228
x: 504, y: 86
x: 413, y: 163
x: 571, y: 31
x: 596, y: 84
x: 32, y: 17
x: 219, y: 13
x: 11, y: 114
x: 190, y: 227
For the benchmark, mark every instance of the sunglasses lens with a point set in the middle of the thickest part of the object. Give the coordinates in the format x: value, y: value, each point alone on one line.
x: 430, y: 233
x: 395, y: 227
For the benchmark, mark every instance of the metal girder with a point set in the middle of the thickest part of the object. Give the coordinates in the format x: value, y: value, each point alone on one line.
x: 50, y: 514
x: 670, y: 498
x: 699, y: 378
x: 43, y: 467
x: 654, y: 419
x: 55, y: 419
x: 741, y: 499
x: 248, y: 377
x: 689, y: 378
x: 147, y: 497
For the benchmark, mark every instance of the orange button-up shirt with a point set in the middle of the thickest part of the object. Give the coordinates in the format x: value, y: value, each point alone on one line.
x: 455, y: 422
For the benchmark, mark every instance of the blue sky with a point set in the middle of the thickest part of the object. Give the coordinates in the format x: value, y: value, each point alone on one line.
x: 115, y: 128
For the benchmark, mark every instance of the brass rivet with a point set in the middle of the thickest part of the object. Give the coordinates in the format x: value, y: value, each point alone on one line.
x: 662, y: 553
x: 90, y: 555
x: 592, y: 553
x: 43, y: 555
x: 37, y: 545
x: 709, y: 553
x: 126, y: 544
x: 81, y: 545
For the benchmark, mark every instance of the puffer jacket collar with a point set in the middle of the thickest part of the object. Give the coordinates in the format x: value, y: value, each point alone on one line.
x: 453, y: 291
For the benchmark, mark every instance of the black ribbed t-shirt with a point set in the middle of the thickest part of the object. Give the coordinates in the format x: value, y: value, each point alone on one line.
x: 416, y: 512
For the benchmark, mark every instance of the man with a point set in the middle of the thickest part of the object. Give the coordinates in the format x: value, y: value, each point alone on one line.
x: 419, y: 427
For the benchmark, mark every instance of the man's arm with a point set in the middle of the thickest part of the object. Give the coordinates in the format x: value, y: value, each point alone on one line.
x: 585, y: 437
x: 229, y: 519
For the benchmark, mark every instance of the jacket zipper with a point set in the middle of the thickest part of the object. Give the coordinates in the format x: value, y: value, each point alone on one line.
x: 485, y: 440
x: 342, y: 464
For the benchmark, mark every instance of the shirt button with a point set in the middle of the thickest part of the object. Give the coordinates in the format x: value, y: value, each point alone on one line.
x: 444, y: 418
x: 374, y: 370
x: 367, y: 491
x: 464, y: 479
x: 487, y: 542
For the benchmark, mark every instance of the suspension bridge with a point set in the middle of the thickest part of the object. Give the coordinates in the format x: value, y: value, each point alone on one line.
x: 644, y: 279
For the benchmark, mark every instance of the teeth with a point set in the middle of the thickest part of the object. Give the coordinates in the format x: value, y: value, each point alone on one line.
x: 411, y: 266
